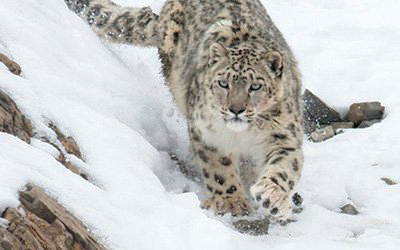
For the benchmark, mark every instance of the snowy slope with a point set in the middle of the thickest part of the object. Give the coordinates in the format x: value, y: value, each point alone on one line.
x: 113, y: 101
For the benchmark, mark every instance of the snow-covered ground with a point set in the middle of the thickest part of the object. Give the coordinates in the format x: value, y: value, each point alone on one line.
x: 113, y: 101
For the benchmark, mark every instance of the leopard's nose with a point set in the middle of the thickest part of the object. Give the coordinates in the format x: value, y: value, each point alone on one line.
x: 237, y: 110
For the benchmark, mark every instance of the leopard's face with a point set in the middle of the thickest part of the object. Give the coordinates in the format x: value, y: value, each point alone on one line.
x: 243, y: 84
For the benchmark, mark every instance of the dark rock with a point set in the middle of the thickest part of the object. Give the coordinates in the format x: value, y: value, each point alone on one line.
x: 186, y: 168
x: 297, y: 210
x: 341, y: 125
x: 251, y: 226
x: 322, y: 134
x: 365, y: 111
x: 11, y: 119
x: 349, y: 209
x: 366, y: 124
x: 388, y: 181
x: 310, y: 126
x: 317, y: 113
x: 297, y: 200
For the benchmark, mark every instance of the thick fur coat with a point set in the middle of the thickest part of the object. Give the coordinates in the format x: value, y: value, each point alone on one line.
x: 236, y: 80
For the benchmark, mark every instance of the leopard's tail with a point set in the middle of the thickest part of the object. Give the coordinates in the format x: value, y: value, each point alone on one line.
x: 114, y: 23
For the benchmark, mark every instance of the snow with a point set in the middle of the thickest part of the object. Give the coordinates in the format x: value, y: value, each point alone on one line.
x: 112, y: 100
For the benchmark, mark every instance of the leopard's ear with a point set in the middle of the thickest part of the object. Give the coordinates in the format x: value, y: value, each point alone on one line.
x: 217, y: 53
x: 275, y: 62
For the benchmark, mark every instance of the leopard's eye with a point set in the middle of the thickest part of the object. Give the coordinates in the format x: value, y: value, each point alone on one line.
x: 223, y: 84
x: 255, y: 87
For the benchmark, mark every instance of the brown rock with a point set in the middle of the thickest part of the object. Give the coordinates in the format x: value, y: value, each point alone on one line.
x: 322, y: 134
x: 340, y: 125
x: 63, y: 160
x: 70, y: 145
x: 365, y: 111
x: 7, y: 239
x: 11, y: 119
x: 44, y: 225
x: 12, y: 66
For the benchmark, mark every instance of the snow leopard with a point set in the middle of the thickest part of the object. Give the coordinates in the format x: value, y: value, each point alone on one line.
x: 236, y: 81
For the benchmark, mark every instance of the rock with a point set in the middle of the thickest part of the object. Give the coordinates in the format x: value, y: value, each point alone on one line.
x: 341, y: 125
x: 12, y: 66
x: 62, y: 158
x: 297, y: 200
x: 12, y: 121
x: 297, y: 210
x: 366, y: 124
x: 43, y: 224
x: 322, y: 134
x: 317, y: 113
x: 69, y: 143
x: 309, y: 126
x: 349, y: 209
x: 186, y: 168
x: 388, y: 181
x: 251, y: 226
x: 365, y: 111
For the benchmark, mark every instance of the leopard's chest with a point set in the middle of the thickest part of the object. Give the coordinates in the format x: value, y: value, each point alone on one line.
x: 242, y: 144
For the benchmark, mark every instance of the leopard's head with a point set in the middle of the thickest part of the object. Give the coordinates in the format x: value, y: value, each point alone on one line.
x: 245, y: 83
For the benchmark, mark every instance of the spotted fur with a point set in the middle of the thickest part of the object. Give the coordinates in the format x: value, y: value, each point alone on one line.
x: 236, y: 80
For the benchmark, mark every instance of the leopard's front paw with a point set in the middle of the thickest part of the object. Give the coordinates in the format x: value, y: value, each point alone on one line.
x: 272, y: 197
x: 223, y: 205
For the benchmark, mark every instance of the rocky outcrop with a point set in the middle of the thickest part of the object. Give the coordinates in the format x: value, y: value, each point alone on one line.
x: 12, y: 121
x: 40, y: 223
x: 66, y: 145
x: 69, y: 143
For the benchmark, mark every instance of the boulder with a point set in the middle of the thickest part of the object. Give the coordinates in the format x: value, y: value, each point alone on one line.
x: 365, y: 111
x: 317, y: 113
